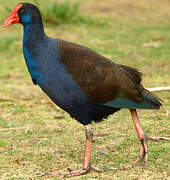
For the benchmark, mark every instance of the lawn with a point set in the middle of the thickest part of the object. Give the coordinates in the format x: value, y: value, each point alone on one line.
x: 36, y: 136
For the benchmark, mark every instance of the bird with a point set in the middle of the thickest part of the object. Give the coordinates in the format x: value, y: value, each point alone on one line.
x: 82, y: 82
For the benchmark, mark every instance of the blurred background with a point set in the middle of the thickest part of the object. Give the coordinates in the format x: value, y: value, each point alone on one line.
x: 34, y: 132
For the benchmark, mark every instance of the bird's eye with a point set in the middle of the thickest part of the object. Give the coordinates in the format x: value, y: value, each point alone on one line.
x: 22, y: 11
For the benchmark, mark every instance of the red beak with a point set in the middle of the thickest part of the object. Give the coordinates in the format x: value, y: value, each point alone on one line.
x: 13, y: 16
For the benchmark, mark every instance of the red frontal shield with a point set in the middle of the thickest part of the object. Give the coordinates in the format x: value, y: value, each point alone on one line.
x: 13, y: 16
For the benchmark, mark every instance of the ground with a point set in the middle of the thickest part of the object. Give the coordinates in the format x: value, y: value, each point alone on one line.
x: 37, y: 136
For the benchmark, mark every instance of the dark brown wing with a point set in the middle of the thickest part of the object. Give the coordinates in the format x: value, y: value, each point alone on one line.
x: 134, y: 74
x: 99, y: 77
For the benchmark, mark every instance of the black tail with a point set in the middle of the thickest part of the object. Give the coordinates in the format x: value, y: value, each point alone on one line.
x: 152, y: 99
x: 101, y: 111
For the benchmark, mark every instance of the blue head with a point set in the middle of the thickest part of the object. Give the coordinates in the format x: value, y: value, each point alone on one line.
x: 24, y: 13
x: 29, y: 14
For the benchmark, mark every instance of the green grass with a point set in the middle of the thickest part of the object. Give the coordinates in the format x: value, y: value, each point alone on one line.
x: 36, y: 136
x: 61, y: 12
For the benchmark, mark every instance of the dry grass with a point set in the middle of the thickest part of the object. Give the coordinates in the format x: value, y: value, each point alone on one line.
x: 50, y: 139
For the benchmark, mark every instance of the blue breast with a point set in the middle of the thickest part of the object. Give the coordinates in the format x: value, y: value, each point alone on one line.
x: 32, y: 64
x: 33, y: 67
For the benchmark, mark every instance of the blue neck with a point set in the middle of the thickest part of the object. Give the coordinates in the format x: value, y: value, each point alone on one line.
x: 33, y: 34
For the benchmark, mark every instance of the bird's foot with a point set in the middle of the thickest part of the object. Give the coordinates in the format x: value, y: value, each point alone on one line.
x: 74, y: 172
x: 158, y: 139
x: 69, y: 173
x: 143, y: 151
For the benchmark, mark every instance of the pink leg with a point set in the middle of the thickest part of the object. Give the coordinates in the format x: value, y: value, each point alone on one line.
x: 88, y: 147
x: 86, y: 162
x: 143, y: 152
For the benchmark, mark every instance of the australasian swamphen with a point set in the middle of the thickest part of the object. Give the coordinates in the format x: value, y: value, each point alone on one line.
x: 82, y: 82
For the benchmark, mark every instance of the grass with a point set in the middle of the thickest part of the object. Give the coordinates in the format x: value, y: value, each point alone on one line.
x: 36, y: 136
x: 62, y: 13
x: 57, y: 13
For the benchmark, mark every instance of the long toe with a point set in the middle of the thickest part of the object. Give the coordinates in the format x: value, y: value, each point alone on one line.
x: 143, y: 152
x: 73, y: 172
x: 158, y: 138
x: 140, y: 157
x: 92, y: 168
x: 69, y: 173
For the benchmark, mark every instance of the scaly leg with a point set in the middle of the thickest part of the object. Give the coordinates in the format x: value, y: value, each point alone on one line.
x: 143, y: 152
x: 86, y: 162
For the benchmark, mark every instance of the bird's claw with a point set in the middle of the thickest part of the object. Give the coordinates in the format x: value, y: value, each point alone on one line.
x: 74, y: 172
x: 96, y: 169
x: 143, y: 152
x: 40, y: 174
